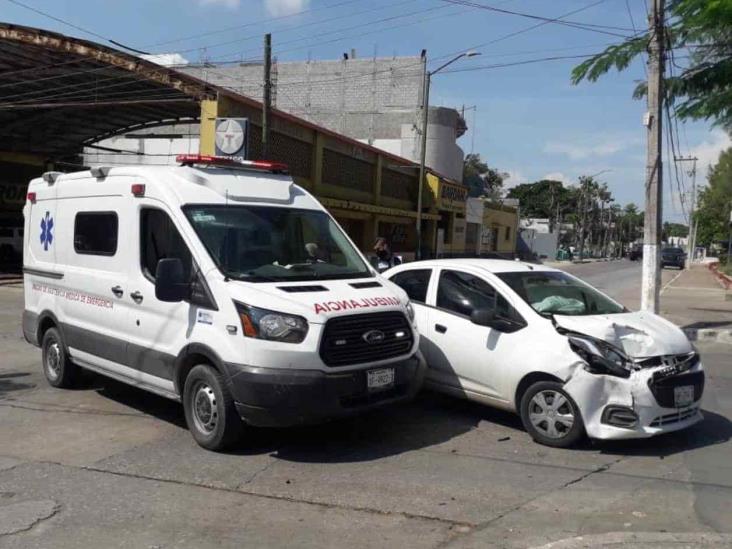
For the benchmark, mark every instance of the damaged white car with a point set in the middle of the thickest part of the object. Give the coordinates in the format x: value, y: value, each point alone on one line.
x: 540, y: 342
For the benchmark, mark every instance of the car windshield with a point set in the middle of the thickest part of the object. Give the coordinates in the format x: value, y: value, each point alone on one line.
x: 672, y: 251
x: 268, y: 244
x: 554, y: 292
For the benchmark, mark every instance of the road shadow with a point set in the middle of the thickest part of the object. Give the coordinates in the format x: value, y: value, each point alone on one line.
x: 13, y: 381
x: 430, y: 419
x: 139, y: 400
x: 714, y: 429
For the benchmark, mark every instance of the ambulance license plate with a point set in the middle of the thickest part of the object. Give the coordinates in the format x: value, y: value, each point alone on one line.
x: 382, y: 378
x: 683, y: 396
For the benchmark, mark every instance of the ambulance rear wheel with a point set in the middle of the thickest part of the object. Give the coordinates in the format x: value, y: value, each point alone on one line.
x: 209, y: 409
x: 57, y: 365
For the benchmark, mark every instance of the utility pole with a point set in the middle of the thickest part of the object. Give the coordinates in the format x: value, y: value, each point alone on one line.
x: 651, y: 277
x: 422, y: 158
x: 692, y: 224
x: 267, y: 95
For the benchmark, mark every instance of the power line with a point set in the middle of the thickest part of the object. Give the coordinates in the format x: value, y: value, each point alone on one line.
x: 251, y: 24
x: 574, y: 24
x: 73, y: 26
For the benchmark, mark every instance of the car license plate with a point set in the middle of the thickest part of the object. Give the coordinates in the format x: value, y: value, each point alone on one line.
x: 382, y: 378
x: 683, y: 396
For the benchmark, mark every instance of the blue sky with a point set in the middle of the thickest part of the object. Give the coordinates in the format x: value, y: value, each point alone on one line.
x: 529, y: 120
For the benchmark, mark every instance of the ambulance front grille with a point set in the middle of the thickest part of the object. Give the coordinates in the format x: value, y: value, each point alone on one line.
x: 345, y: 340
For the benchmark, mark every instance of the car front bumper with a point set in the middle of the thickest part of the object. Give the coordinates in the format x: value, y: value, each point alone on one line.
x: 279, y: 397
x: 655, y: 414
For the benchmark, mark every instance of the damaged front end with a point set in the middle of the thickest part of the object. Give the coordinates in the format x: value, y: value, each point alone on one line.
x: 625, y: 396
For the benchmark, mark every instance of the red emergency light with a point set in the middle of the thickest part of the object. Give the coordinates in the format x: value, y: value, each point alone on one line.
x: 32, y: 197
x: 210, y: 160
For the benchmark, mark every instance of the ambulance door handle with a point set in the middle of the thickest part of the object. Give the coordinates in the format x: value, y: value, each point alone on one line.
x: 136, y: 296
x: 118, y: 291
x: 440, y: 328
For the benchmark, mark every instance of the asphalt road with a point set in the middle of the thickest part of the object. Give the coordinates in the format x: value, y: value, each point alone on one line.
x: 105, y: 465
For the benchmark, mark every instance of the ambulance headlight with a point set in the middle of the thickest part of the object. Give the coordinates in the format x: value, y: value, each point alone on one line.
x: 271, y: 325
x: 410, y: 311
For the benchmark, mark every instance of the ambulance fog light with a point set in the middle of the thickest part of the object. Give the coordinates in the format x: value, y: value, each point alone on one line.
x: 271, y: 325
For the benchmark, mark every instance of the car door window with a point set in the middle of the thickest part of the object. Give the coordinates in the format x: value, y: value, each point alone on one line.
x: 159, y: 239
x: 463, y: 293
x: 415, y: 282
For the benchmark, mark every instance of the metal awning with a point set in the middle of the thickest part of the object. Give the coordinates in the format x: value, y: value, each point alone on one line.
x: 59, y: 93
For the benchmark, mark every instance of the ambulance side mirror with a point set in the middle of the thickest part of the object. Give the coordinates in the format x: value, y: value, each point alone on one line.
x: 169, y: 283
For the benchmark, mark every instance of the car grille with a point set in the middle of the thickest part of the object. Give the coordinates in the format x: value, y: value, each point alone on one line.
x: 344, y: 342
x: 663, y: 388
x: 676, y: 417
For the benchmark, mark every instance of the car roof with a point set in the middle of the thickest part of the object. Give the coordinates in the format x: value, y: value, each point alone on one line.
x: 488, y: 265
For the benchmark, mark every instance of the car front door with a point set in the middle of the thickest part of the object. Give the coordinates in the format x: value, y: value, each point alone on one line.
x: 461, y: 354
x: 157, y: 329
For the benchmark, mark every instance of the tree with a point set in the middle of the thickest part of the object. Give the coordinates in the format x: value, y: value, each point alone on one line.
x: 481, y: 179
x: 675, y: 230
x: 715, y: 203
x: 703, y: 89
x: 544, y: 199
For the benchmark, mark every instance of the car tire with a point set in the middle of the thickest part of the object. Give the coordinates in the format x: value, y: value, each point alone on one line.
x: 558, y: 426
x: 209, y: 409
x: 57, y: 366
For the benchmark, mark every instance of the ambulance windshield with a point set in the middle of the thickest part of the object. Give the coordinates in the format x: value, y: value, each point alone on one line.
x: 271, y: 244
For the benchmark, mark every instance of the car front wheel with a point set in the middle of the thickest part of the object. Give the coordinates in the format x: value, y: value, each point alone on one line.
x: 550, y: 415
x: 209, y: 409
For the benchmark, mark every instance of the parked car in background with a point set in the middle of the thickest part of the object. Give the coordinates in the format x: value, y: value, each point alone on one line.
x: 673, y: 257
x: 542, y: 343
x: 635, y: 253
x: 11, y: 243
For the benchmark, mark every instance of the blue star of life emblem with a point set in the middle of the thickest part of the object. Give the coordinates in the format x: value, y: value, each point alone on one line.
x: 46, y: 231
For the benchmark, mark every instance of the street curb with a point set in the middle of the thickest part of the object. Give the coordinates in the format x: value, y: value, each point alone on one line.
x: 722, y: 278
x: 641, y: 539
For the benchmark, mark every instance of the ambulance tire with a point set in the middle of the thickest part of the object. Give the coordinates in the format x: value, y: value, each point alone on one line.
x: 57, y: 366
x: 551, y: 416
x: 209, y: 409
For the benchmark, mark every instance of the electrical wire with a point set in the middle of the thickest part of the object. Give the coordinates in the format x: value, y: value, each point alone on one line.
x: 574, y: 24
x: 73, y: 26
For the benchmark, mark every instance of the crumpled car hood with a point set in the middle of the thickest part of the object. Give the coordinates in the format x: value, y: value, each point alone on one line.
x: 639, y: 334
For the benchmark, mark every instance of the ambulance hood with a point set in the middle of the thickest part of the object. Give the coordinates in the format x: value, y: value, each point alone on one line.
x: 320, y: 300
x: 638, y: 334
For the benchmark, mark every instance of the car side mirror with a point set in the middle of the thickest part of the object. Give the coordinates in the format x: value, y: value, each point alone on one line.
x: 483, y: 317
x: 169, y: 284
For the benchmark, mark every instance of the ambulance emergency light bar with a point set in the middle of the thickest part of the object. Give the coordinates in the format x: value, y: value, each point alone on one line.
x: 224, y: 162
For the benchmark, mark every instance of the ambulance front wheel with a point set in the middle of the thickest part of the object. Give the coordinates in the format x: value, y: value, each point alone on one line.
x: 209, y: 409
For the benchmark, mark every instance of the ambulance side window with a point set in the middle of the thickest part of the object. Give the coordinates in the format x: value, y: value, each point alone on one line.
x: 95, y: 233
x: 159, y: 239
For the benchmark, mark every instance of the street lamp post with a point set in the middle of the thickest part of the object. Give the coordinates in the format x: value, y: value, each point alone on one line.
x: 423, y: 145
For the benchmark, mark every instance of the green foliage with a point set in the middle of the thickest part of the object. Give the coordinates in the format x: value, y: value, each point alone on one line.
x: 715, y: 203
x: 675, y: 229
x: 481, y: 179
x: 703, y: 89
x: 544, y: 199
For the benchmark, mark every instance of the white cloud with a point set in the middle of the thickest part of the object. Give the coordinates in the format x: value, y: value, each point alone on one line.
x: 558, y: 176
x: 231, y: 4
x: 581, y: 151
x: 708, y: 152
x: 277, y: 8
x: 515, y: 177
x: 166, y: 59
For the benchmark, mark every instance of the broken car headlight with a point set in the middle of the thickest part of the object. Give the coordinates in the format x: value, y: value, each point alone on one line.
x: 600, y: 356
x: 271, y: 325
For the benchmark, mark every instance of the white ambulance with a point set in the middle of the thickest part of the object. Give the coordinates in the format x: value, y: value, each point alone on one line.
x: 221, y: 284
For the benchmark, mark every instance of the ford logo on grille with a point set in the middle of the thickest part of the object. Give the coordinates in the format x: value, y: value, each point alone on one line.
x: 373, y: 336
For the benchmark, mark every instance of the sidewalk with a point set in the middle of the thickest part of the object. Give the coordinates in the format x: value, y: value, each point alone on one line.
x: 696, y: 301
